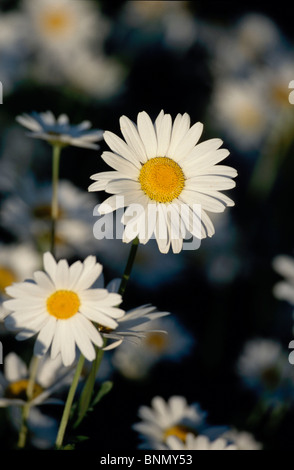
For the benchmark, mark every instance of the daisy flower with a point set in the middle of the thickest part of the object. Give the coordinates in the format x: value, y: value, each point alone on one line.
x: 199, y: 443
x: 165, y: 176
x: 51, y: 377
x: 134, y: 324
x: 59, y: 131
x: 284, y: 290
x: 264, y: 367
x: 60, y: 306
x: 172, y: 418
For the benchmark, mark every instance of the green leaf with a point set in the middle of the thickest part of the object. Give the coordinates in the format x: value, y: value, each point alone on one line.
x: 104, y: 389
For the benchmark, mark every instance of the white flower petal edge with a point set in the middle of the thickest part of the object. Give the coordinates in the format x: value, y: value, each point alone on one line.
x: 174, y: 179
x: 62, y: 309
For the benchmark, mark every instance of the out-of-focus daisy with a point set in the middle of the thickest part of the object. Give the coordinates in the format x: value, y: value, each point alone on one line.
x: 240, y: 112
x: 242, y: 439
x: 14, y: 49
x: 199, y: 443
x: 61, y: 27
x: 27, y: 215
x: 61, y: 308
x: 168, y: 340
x: 17, y: 262
x: 96, y: 75
x: 264, y: 367
x: 169, y: 19
x: 51, y: 377
x: 59, y: 131
x: 135, y: 325
x: 166, y: 176
x: 284, y: 290
x: 168, y: 418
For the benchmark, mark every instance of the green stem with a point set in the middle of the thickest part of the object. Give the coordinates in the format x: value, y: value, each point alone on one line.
x: 26, y: 408
x: 54, y: 201
x: 128, y: 268
x: 68, y: 404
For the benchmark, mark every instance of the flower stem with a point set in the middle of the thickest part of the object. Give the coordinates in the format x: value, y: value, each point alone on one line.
x: 26, y: 408
x: 129, y: 266
x: 54, y: 201
x: 68, y: 404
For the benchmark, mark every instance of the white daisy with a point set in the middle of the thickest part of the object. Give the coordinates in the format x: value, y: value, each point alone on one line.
x: 163, y: 175
x: 59, y: 131
x: 172, y: 418
x: 199, y: 443
x: 284, y: 290
x: 60, y: 306
x: 51, y: 377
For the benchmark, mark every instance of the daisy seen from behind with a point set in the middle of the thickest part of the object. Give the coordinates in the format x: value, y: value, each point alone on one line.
x: 58, y: 131
x: 62, y: 309
x: 165, y: 176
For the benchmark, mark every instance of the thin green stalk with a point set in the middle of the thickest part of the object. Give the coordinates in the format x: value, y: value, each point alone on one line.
x: 54, y: 201
x: 22, y: 438
x: 69, y: 402
x: 129, y: 266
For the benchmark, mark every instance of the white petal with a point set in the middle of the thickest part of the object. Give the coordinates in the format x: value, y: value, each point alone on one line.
x: 147, y: 134
x: 121, y: 148
x: 126, y: 168
x: 133, y: 139
x: 180, y: 128
x: 50, y: 265
x: 163, y: 126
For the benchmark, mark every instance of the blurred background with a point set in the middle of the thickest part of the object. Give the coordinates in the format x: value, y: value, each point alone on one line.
x: 228, y: 66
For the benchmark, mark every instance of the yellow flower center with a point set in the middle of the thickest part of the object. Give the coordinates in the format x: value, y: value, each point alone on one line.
x: 156, y: 341
x: 162, y: 179
x: 7, y: 277
x: 18, y: 389
x: 180, y: 431
x: 63, y: 304
x: 57, y: 21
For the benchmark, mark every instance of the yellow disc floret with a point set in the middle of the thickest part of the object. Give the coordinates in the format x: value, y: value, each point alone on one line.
x: 162, y: 179
x: 180, y: 431
x: 63, y: 304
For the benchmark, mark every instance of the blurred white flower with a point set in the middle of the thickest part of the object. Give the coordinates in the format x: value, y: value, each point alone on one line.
x: 17, y: 262
x: 264, y: 367
x: 27, y: 215
x: 239, y: 110
x: 135, y: 361
x: 243, y: 440
x: 51, y: 377
x: 14, y: 49
x: 59, y: 131
x: 62, y: 27
x: 173, y: 417
x: 284, y: 289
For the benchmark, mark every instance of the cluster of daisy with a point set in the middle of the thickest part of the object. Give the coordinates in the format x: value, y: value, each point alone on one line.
x: 65, y: 307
